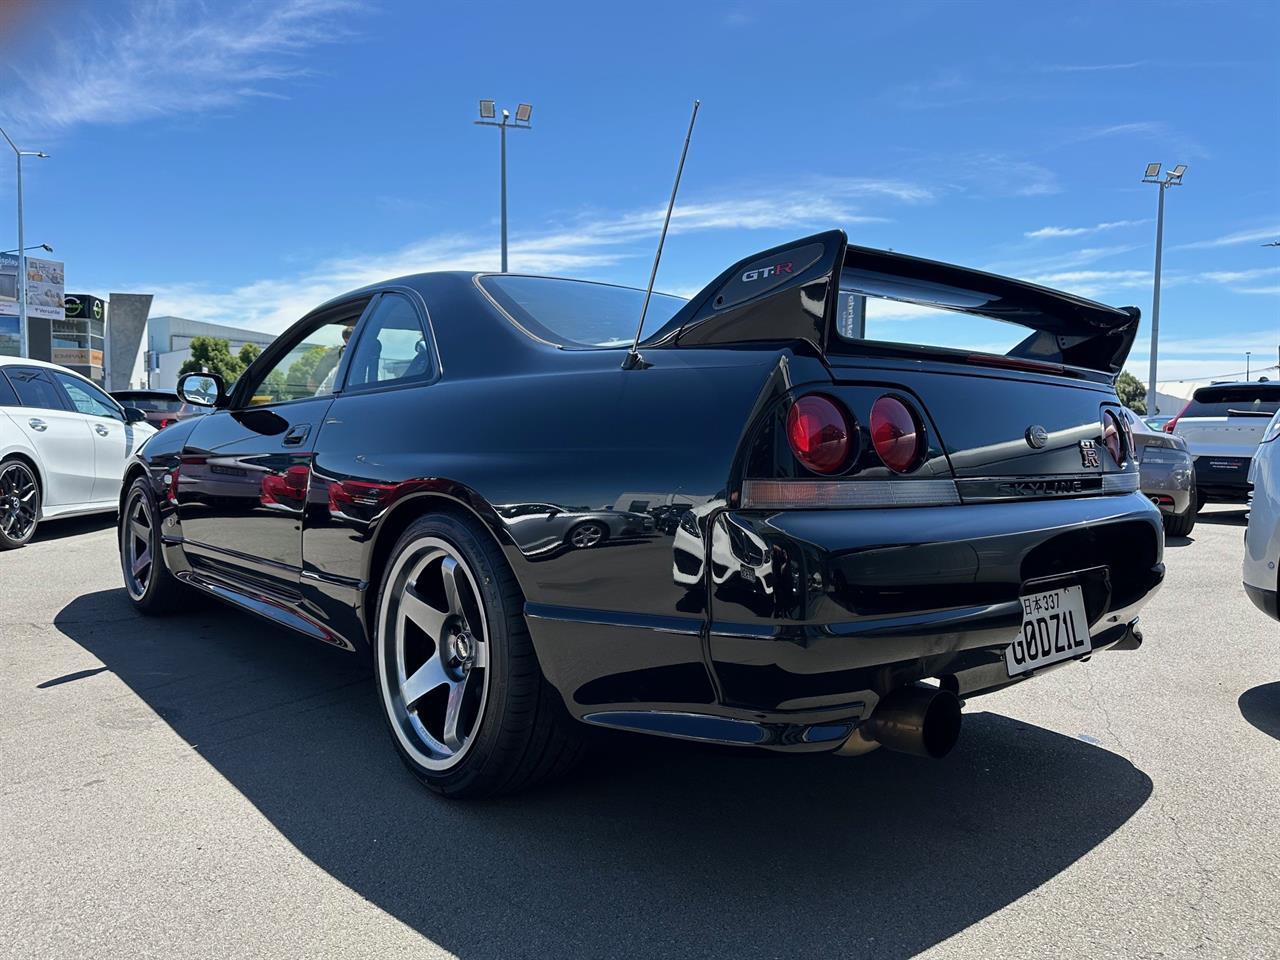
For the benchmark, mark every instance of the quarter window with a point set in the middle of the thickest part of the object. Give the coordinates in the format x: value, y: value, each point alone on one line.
x: 392, y: 347
x: 34, y: 389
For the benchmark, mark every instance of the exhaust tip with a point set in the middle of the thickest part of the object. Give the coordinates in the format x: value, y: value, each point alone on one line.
x: 920, y: 720
x: 940, y: 730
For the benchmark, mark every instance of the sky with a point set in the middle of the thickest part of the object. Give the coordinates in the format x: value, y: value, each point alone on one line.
x: 245, y: 160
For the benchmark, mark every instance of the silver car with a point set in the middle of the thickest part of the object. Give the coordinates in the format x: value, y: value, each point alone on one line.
x: 1167, y: 475
x: 540, y: 527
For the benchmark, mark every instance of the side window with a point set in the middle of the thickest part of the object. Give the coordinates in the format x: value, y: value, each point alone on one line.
x: 7, y: 397
x: 35, y: 389
x: 392, y: 347
x: 87, y: 398
x: 309, y: 368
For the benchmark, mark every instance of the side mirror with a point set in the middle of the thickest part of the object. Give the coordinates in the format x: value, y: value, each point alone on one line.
x: 133, y: 415
x: 202, y: 389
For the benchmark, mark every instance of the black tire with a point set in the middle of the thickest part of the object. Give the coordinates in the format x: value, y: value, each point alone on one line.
x: 20, y: 500
x: 511, y: 730
x: 588, y: 534
x: 1181, y: 524
x: 1199, y: 499
x: 152, y: 588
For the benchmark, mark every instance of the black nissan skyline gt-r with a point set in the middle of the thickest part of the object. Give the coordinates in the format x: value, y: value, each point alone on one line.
x: 869, y: 533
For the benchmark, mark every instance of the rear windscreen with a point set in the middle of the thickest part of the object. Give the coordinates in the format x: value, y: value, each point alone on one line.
x: 1255, y: 399
x: 151, y: 404
x: 578, y: 313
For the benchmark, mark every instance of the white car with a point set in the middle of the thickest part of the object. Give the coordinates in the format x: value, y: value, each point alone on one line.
x: 1222, y: 424
x: 63, y: 446
x: 1262, y: 539
x: 735, y: 551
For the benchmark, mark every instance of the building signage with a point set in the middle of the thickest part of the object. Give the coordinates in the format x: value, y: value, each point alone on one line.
x: 84, y: 306
x: 45, y: 285
x: 76, y: 357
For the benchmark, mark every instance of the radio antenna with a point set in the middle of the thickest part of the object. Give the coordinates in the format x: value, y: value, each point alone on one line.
x: 633, y: 358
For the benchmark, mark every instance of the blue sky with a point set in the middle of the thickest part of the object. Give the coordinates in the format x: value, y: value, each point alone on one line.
x: 244, y: 161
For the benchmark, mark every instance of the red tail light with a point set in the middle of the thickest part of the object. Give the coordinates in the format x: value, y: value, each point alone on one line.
x: 1169, y: 427
x: 897, y: 434
x: 1113, y: 436
x: 165, y: 421
x: 818, y: 429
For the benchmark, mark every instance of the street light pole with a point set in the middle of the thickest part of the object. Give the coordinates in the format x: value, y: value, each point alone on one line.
x: 1247, y: 354
x: 502, y: 136
x: 1153, y: 402
x: 488, y: 114
x: 1171, y: 179
x: 22, y: 251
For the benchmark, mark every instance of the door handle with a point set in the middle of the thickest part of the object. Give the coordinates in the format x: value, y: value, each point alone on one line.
x: 297, y: 433
x: 101, y: 430
x: 38, y: 424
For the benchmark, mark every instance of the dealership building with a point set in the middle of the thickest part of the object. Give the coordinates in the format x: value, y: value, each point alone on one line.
x: 114, y: 341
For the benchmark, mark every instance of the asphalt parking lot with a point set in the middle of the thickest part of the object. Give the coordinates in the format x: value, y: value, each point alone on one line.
x: 207, y: 786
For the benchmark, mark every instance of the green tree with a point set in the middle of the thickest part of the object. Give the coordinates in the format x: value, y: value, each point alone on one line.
x: 302, y: 372
x: 249, y: 353
x: 1131, y: 392
x: 212, y: 355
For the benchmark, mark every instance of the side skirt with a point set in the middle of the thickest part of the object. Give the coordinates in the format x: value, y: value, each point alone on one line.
x: 270, y: 608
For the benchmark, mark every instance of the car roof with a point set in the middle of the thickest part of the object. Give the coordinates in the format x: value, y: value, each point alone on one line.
x: 44, y: 364
x: 29, y: 362
x: 1265, y: 386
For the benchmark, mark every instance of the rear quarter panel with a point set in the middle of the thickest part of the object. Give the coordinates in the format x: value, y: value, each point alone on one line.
x: 578, y: 432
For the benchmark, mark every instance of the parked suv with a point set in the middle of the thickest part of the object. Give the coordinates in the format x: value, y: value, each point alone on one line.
x: 1223, y: 424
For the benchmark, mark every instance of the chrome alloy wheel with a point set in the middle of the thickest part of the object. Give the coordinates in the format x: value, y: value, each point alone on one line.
x: 587, y: 535
x: 19, y: 500
x: 433, y: 653
x: 135, y: 545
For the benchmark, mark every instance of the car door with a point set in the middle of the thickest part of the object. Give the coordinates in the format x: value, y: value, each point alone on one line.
x: 61, y: 436
x: 113, y: 439
x: 244, y: 471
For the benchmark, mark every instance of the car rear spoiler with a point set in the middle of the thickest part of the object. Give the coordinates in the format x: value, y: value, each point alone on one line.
x: 793, y: 292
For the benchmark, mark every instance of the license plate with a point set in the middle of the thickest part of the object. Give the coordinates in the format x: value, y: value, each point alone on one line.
x: 1055, y: 627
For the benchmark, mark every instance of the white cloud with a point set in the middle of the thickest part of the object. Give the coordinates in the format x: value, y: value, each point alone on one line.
x: 1068, y: 260
x: 168, y: 57
x: 1094, y: 283
x: 1188, y: 371
x: 581, y: 246
x: 1045, y: 232
x: 1268, y: 291
x: 1265, y: 235
x: 1093, y: 67
x: 1237, y: 276
x: 1233, y: 344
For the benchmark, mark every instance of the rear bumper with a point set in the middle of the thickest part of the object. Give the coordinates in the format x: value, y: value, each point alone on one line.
x: 1168, y: 485
x: 862, y: 601
x: 1223, y: 479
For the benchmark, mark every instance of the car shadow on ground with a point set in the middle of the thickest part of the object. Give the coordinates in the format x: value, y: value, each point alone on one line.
x: 1231, y: 517
x: 1261, y: 707
x: 656, y: 847
x: 73, y: 527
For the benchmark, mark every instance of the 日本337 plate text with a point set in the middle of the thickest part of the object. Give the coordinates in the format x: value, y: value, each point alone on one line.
x: 1054, y: 627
